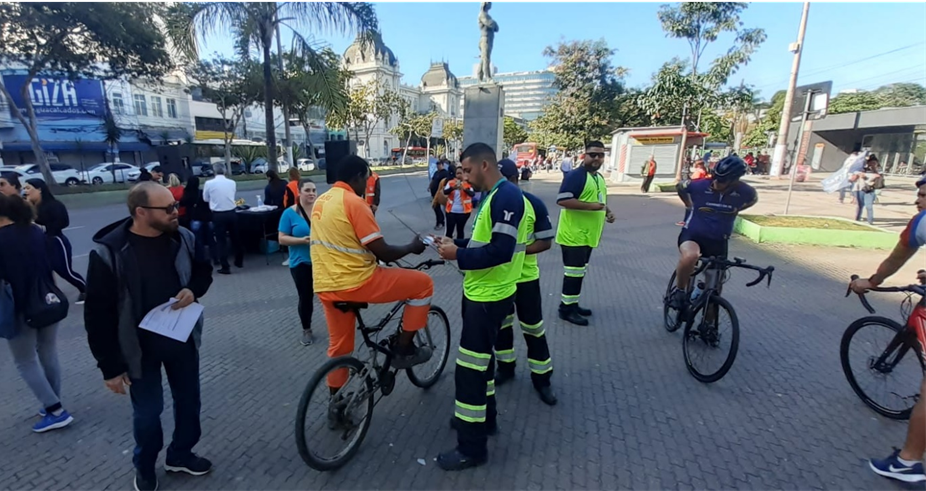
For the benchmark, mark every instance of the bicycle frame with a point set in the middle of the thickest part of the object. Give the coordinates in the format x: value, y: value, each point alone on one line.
x: 716, y: 278
x: 914, y: 328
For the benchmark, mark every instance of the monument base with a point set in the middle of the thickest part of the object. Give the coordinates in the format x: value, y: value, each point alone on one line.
x: 483, y: 116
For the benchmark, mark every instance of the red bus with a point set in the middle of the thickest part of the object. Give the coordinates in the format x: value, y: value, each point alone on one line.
x: 415, y: 155
x: 525, y: 153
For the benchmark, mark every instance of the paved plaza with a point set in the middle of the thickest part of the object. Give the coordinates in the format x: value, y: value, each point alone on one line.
x: 629, y: 414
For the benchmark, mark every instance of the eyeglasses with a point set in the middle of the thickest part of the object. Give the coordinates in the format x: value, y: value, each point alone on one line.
x: 595, y: 155
x: 166, y: 209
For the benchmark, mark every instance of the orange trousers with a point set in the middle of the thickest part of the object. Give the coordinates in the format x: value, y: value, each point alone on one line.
x: 387, y: 285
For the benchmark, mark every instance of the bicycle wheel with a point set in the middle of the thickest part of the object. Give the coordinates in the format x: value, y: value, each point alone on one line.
x: 671, y: 318
x: 436, y: 335
x: 336, y: 422
x: 711, y: 336
x: 890, y: 387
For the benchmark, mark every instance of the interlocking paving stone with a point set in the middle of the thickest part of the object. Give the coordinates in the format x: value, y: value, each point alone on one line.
x: 630, y: 416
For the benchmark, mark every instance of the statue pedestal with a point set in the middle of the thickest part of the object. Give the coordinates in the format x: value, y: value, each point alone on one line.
x: 483, y: 111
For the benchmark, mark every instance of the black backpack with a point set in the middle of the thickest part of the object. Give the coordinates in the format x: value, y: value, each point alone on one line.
x: 45, y: 304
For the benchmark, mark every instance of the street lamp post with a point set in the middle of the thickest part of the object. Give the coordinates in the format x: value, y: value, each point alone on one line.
x: 781, y: 147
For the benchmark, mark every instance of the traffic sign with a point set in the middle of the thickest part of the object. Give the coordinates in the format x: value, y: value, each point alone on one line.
x: 437, y: 128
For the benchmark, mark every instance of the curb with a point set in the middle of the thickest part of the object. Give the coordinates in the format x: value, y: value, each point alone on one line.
x: 875, y: 238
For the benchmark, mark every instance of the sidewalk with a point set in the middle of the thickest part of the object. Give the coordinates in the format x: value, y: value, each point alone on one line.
x: 893, y: 209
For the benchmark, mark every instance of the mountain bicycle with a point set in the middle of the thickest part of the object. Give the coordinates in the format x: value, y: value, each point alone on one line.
x: 705, y: 335
x: 883, y: 353
x: 344, y: 414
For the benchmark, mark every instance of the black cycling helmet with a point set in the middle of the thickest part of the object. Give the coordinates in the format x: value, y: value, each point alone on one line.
x: 729, y: 169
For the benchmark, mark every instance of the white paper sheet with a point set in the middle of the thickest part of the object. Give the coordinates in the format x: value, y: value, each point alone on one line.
x: 175, y: 324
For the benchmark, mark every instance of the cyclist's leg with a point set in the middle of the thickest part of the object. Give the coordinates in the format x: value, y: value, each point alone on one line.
x: 340, y: 335
x: 689, y: 253
x: 906, y: 464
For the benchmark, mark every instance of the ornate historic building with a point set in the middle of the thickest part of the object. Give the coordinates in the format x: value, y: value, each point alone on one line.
x: 439, y: 89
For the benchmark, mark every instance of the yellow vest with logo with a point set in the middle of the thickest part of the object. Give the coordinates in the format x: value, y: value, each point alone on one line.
x: 499, y: 282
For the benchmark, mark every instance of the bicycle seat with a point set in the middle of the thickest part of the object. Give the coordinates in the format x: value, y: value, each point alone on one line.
x: 350, y: 306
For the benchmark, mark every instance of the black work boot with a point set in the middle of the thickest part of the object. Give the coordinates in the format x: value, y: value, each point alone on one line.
x: 568, y: 313
x: 583, y: 311
x: 502, y: 376
x: 456, y: 461
x: 546, y: 395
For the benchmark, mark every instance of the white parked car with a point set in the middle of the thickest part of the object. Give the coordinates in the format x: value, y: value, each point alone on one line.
x: 103, y: 173
x: 65, y: 175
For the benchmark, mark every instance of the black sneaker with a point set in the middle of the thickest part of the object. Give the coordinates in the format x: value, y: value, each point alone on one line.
x: 224, y: 271
x: 546, y: 395
x: 195, y: 466
x: 677, y: 299
x: 421, y: 355
x: 81, y: 299
x: 145, y: 483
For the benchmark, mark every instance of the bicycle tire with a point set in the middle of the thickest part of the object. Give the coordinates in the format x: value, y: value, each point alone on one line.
x: 850, y: 376
x: 667, y: 311
x: 320, y: 378
x: 688, y: 338
x: 427, y: 383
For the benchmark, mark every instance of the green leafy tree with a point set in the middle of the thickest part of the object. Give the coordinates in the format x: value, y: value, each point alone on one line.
x: 112, y: 133
x: 453, y: 133
x: 585, y: 106
x: 368, y: 105
x: 78, y: 40
x: 672, y: 95
x: 255, y: 23
x: 513, y: 133
x: 894, y: 95
x: 702, y: 23
x: 313, y: 86
x: 758, y: 135
x: 233, y: 85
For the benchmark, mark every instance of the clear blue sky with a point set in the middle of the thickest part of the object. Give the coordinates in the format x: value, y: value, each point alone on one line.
x: 845, y: 42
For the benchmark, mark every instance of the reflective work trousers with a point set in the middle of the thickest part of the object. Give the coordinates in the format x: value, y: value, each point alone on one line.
x: 527, y: 304
x: 575, y: 263
x: 475, y: 373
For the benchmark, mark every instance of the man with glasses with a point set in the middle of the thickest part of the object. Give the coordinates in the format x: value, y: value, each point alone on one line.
x: 126, y: 279
x: 584, y: 197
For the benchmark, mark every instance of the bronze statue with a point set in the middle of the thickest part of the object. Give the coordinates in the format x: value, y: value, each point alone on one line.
x: 488, y: 27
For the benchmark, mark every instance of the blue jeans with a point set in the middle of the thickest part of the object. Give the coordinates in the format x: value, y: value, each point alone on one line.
x: 868, y: 201
x: 181, y: 363
x: 204, y: 232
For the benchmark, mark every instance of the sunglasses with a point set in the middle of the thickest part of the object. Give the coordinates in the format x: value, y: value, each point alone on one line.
x: 166, y: 209
x: 595, y: 155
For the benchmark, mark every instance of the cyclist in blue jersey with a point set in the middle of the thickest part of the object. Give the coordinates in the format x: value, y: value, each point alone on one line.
x: 714, y: 204
x: 905, y: 464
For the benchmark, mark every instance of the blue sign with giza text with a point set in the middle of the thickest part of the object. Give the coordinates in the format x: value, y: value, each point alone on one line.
x: 57, y: 98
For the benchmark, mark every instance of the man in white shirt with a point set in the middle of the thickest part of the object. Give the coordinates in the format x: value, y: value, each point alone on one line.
x: 220, y: 193
x: 566, y: 166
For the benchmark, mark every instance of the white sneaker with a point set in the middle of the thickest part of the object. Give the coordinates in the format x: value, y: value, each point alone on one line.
x: 286, y: 262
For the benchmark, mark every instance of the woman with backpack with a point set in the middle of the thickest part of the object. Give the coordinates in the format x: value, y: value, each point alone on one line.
x: 52, y: 217
x: 26, y: 272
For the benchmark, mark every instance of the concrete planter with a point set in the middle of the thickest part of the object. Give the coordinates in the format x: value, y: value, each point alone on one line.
x: 873, y: 238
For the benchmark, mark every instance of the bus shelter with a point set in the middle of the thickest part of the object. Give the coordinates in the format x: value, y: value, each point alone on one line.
x: 631, y: 148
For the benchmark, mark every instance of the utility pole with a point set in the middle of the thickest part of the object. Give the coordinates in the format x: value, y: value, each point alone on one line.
x: 808, y: 99
x: 288, y: 140
x: 781, y: 147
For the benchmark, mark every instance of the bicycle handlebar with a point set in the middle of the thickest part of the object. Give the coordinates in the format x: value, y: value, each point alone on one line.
x: 739, y: 262
x: 423, y: 266
x: 918, y: 289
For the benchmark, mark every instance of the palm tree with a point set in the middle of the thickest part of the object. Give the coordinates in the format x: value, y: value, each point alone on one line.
x: 255, y: 23
x: 112, y: 133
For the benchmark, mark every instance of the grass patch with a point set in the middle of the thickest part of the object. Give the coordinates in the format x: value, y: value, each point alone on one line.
x: 806, y: 222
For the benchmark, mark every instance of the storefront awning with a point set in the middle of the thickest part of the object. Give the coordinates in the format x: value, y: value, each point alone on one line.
x: 71, y: 146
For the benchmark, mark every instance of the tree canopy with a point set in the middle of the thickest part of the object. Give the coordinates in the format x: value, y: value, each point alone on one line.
x: 894, y: 95
x: 586, y: 105
x: 513, y: 133
x: 77, y: 40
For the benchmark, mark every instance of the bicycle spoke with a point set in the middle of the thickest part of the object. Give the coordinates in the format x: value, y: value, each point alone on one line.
x: 892, y: 384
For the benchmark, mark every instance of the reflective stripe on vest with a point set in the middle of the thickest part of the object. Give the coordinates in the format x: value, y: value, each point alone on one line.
x: 583, y: 227
x: 499, y: 282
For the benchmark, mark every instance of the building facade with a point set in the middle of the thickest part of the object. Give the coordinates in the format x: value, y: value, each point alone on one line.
x: 438, y: 90
x: 526, y: 93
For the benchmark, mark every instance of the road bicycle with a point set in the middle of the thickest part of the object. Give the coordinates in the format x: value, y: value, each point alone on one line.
x: 704, y: 337
x: 343, y: 416
x: 882, y: 344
